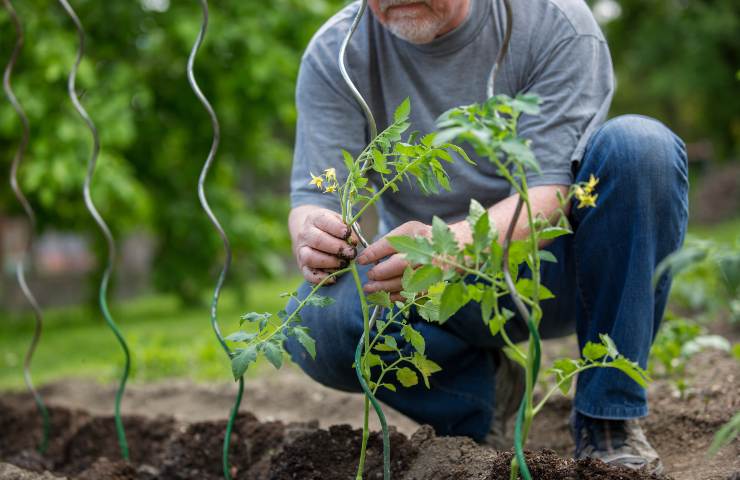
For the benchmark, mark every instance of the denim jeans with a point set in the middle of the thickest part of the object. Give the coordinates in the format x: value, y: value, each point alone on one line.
x: 602, y: 283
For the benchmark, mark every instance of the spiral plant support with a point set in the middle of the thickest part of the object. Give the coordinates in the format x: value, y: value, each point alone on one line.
x: 103, y: 292
x: 20, y: 267
x: 377, y: 311
x: 521, y: 308
x: 217, y: 225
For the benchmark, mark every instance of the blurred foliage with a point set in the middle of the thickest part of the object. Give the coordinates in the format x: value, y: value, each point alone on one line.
x: 676, y: 60
x: 679, y: 61
x: 155, y: 135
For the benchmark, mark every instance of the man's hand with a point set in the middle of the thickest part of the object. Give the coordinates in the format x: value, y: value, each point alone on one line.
x: 319, y: 242
x: 387, y: 275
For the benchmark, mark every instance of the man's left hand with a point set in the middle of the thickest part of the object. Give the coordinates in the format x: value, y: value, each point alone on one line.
x: 387, y: 275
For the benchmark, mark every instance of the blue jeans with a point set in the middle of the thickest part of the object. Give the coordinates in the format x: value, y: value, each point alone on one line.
x: 602, y: 283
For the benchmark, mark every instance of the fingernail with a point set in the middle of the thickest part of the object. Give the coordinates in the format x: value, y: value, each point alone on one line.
x: 368, y: 287
x: 362, y: 259
x: 347, y: 233
x: 350, y: 252
x: 343, y: 263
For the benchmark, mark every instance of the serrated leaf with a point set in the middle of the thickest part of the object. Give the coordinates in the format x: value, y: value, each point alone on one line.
x: 631, y: 369
x: 402, y: 111
x: 414, y: 338
x: 242, y: 360
x: 274, y: 354
x: 349, y: 162
x: 611, y: 347
x: 453, y: 299
x: 241, y: 337
x: 425, y: 366
x: 379, y: 162
x: 552, y: 232
x: 253, y: 317
x: 305, y: 340
x: 381, y: 298
x: 474, y: 212
x: 418, y: 250
x: 525, y: 286
x: 317, y: 300
x: 422, y: 278
x: 407, y: 377
x: 594, y: 351
x: 443, y: 239
x: 546, y: 256
x: 372, y: 360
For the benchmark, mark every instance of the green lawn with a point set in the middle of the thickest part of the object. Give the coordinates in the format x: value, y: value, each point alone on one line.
x: 165, y: 340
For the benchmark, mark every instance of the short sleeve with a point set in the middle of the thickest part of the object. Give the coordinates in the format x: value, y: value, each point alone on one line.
x: 329, y: 120
x: 575, y: 83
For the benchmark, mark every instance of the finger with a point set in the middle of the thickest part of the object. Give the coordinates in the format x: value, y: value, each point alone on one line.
x: 324, y: 242
x: 382, y: 248
x: 311, y: 258
x: 315, y: 276
x: 391, y: 268
x: 392, y: 285
x: 332, y: 224
x: 376, y: 251
x: 397, y: 297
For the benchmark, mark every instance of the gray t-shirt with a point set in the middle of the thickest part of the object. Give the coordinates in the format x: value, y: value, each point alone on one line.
x: 557, y: 51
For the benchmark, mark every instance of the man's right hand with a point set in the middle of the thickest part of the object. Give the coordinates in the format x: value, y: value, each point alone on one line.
x: 319, y: 242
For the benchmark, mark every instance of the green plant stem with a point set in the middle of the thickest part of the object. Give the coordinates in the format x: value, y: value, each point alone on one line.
x: 302, y: 303
x: 554, y: 389
x: 386, y: 370
x: 362, y: 367
x: 230, y: 428
x: 385, y: 187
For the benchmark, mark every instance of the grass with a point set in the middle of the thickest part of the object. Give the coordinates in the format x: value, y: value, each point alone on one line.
x: 166, y: 340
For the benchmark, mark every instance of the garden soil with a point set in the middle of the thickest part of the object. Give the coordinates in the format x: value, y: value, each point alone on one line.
x: 300, y: 430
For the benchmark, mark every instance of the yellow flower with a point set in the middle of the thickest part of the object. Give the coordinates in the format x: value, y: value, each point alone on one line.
x: 587, y: 200
x: 591, y: 184
x: 318, y: 181
x: 331, y: 188
x: 331, y: 174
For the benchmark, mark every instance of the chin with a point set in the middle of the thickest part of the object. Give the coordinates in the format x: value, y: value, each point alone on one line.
x: 418, y: 30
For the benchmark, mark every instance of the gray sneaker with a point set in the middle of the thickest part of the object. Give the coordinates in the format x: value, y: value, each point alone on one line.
x: 615, y: 442
x: 510, y: 386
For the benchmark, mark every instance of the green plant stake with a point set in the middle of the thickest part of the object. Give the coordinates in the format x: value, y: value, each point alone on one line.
x: 103, y: 293
x: 217, y: 225
x: 20, y: 267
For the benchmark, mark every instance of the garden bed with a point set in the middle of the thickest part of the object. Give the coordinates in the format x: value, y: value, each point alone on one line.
x: 186, y: 443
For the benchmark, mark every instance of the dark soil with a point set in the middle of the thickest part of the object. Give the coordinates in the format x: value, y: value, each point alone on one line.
x: 84, y: 446
x: 175, y: 431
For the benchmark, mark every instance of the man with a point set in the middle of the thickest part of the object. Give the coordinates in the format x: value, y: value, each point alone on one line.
x: 439, y: 53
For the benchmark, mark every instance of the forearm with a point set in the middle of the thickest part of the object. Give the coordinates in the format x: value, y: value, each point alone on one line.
x: 544, y: 202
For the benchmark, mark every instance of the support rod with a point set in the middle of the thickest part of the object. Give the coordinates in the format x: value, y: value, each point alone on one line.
x: 20, y: 266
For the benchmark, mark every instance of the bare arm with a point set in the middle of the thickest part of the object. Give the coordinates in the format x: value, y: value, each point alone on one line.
x: 544, y: 201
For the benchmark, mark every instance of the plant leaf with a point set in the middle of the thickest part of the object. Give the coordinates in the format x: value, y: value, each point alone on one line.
x: 443, y: 239
x: 381, y: 298
x: 274, y: 354
x: 416, y: 249
x: 594, y: 351
x: 402, y: 111
x: 242, y: 360
x: 453, y: 299
x: 422, y: 278
x: 407, y: 377
x: 301, y: 334
x: 414, y: 338
x: 317, y: 300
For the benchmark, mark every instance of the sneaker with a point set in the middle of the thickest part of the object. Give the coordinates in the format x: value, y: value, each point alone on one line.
x: 510, y: 386
x: 614, y: 442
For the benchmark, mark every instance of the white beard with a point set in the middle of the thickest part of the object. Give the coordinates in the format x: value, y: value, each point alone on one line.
x: 409, y: 27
